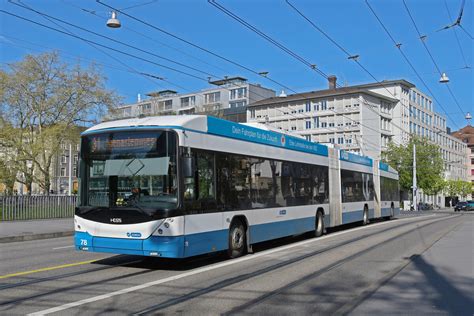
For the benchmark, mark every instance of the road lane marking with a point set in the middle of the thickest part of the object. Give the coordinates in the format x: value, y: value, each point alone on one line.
x: 208, y: 268
x: 48, y: 268
x: 63, y: 247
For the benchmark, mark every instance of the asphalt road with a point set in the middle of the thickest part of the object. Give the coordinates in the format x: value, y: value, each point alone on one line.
x: 355, y: 270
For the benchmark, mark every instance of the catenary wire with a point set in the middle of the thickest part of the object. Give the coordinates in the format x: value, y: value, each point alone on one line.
x: 111, y: 39
x: 268, y: 38
x: 93, y: 13
x: 348, y: 55
x: 281, y: 46
x: 196, y: 46
x: 192, y: 44
x: 456, y: 35
x: 147, y: 76
x: 407, y: 60
x: 429, y: 52
x: 134, y: 56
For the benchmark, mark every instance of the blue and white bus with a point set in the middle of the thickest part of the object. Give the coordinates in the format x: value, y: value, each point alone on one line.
x: 180, y: 186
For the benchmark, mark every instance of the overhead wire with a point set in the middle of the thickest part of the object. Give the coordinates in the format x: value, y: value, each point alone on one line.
x: 92, y: 42
x: 195, y: 45
x: 305, y: 62
x: 348, y: 55
x: 131, y: 69
x: 102, y: 45
x: 407, y: 60
x: 110, y: 38
x: 281, y: 46
x: 456, y: 35
x: 130, y: 55
x: 94, y: 13
x: 429, y: 52
x: 202, y: 48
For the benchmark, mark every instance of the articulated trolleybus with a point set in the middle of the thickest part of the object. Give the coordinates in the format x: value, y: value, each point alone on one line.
x: 180, y: 186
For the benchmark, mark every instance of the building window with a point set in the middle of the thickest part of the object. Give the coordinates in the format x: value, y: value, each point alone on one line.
x: 340, y: 140
x: 308, y: 137
x: 324, y: 105
x: 145, y: 108
x: 76, y: 157
x: 349, y: 141
x: 293, y: 128
x: 188, y: 101
x: 316, y: 107
x: 74, y: 171
x: 324, y: 124
x: 331, y: 140
x: 252, y: 113
x: 64, y: 159
x: 238, y: 93
x: 331, y: 124
x: 213, y: 97
x: 300, y: 111
x: 63, y: 172
x: 168, y: 104
x: 237, y: 104
x: 308, y: 124
x: 308, y: 106
x: 316, y: 122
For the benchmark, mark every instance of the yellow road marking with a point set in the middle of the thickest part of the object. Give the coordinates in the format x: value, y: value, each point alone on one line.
x: 48, y: 269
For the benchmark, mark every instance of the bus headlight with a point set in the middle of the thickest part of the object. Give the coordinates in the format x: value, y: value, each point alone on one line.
x: 167, y: 225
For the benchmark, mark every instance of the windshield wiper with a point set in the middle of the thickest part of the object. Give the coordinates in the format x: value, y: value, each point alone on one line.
x: 99, y: 208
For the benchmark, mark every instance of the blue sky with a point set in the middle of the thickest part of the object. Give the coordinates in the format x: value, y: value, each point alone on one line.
x: 349, y: 22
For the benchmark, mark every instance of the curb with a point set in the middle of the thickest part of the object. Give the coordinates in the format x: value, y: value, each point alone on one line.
x: 35, y: 237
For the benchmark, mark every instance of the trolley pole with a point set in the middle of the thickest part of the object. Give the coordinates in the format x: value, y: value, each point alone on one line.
x: 415, y: 207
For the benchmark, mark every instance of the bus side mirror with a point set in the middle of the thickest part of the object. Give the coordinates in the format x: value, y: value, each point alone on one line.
x: 188, y: 167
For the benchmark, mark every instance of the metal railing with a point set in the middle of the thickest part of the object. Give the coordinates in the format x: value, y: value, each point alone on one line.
x: 23, y: 207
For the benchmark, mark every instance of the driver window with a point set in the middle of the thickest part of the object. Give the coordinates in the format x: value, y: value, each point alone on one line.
x: 202, y: 186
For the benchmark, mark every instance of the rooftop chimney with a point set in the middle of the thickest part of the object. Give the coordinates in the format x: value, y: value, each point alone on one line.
x: 332, y: 82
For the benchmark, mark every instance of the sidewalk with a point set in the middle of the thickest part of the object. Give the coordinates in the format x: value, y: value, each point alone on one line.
x: 440, y: 281
x: 13, y: 231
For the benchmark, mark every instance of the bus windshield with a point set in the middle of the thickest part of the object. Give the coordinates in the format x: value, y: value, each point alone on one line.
x: 129, y: 170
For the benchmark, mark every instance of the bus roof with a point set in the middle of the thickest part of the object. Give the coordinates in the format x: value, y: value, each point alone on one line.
x: 211, y: 125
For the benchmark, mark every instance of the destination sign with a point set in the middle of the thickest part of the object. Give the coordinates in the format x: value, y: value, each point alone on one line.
x: 110, y: 143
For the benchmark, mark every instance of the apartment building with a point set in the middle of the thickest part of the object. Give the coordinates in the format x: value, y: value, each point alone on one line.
x: 466, y: 135
x: 64, y: 169
x: 227, y: 97
x: 351, y: 118
x: 364, y: 119
x: 414, y: 114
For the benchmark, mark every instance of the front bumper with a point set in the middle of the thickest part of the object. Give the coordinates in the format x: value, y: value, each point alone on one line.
x: 154, y: 246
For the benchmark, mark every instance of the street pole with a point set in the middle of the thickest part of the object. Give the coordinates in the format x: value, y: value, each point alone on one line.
x: 70, y: 171
x: 415, y: 208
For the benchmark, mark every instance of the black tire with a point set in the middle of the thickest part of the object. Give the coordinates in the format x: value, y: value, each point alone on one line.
x: 237, y: 239
x: 319, y: 224
x: 365, y: 218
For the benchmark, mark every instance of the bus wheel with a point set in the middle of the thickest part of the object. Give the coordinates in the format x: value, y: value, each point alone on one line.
x: 237, y: 239
x: 319, y: 227
x: 365, y: 220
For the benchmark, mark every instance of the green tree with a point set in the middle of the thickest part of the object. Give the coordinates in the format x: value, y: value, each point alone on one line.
x: 458, y: 188
x: 42, y: 101
x: 429, y: 164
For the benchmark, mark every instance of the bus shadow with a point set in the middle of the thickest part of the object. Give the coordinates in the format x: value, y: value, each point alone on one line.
x: 153, y: 263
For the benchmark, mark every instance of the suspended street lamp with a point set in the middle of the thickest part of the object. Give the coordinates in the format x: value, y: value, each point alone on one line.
x: 113, y: 22
x: 444, y: 78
